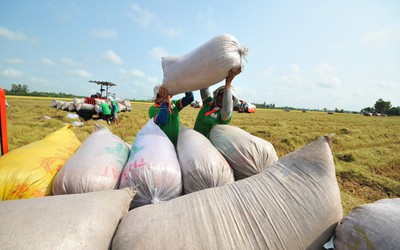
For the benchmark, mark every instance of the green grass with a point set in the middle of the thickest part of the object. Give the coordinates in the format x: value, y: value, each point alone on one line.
x: 365, y: 148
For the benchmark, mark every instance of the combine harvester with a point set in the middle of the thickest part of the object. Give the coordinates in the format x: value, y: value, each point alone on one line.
x: 89, y: 106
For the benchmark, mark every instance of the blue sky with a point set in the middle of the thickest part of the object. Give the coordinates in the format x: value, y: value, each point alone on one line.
x: 304, y: 54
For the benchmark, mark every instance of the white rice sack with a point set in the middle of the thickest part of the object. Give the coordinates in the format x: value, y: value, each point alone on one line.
x: 127, y: 104
x: 246, y: 154
x: 87, y: 107
x: 65, y: 106
x: 97, y: 108
x: 60, y: 104
x: 152, y: 167
x: 53, y: 103
x: 294, y: 204
x: 121, y: 107
x: 71, y: 107
x: 79, y: 106
x: 202, y: 164
x: 96, y: 165
x: 97, y: 101
x: 78, y: 221
x: 204, y: 66
x: 370, y: 226
x: 77, y: 101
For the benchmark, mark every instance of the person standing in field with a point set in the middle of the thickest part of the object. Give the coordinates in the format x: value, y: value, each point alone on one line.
x: 165, y: 111
x: 217, y: 109
x: 114, y: 110
x: 105, y: 107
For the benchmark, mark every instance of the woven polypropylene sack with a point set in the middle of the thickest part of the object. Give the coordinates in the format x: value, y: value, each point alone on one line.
x: 76, y: 221
x: 202, y: 164
x: 28, y: 171
x: 97, y: 165
x: 152, y: 167
x: 370, y: 226
x: 206, y: 65
x: 246, y: 154
x: 294, y: 204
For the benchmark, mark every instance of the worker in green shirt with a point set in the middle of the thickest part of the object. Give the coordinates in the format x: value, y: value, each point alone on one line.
x: 114, y: 110
x: 106, y: 110
x: 165, y: 111
x: 217, y: 109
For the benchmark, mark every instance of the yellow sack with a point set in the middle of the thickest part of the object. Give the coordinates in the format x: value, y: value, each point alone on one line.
x: 28, y: 171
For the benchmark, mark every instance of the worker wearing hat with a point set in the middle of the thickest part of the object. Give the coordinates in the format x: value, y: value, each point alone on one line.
x: 165, y: 111
x: 114, y: 109
x: 217, y: 109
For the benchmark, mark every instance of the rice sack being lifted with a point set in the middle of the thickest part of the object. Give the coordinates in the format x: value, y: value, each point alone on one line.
x: 370, y: 226
x: 76, y: 221
x: 204, y: 66
x: 28, y: 171
x: 152, y: 167
x: 246, y: 154
x: 201, y: 163
x: 294, y: 204
x: 97, y: 165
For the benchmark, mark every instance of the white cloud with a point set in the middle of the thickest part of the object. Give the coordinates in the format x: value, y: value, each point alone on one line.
x: 158, y: 52
x: 105, y: 33
x: 143, y: 17
x: 147, y: 19
x: 12, y: 73
x: 13, y: 35
x: 172, y: 32
x: 266, y: 73
x: 325, y: 75
x: 206, y: 18
x: 138, y: 74
x: 295, y: 68
x: 384, y: 35
x: 14, y: 61
x: 81, y: 73
x: 112, y: 57
x: 37, y: 80
x: 47, y: 61
x: 67, y: 61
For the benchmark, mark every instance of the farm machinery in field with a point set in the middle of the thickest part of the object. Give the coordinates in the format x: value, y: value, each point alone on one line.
x: 87, y: 107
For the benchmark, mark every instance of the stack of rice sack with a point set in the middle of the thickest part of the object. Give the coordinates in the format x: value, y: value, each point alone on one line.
x: 76, y: 221
x: 79, y: 105
x: 370, y: 226
x: 206, y: 65
x: 152, y: 168
x: 293, y: 204
x: 28, y: 171
x: 97, y: 165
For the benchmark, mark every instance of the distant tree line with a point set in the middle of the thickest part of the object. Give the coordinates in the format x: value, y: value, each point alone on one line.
x: 382, y: 107
x: 22, y: 90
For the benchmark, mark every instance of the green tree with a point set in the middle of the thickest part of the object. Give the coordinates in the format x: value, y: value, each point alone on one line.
x: 19, y: 88
x: 382, y: 107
